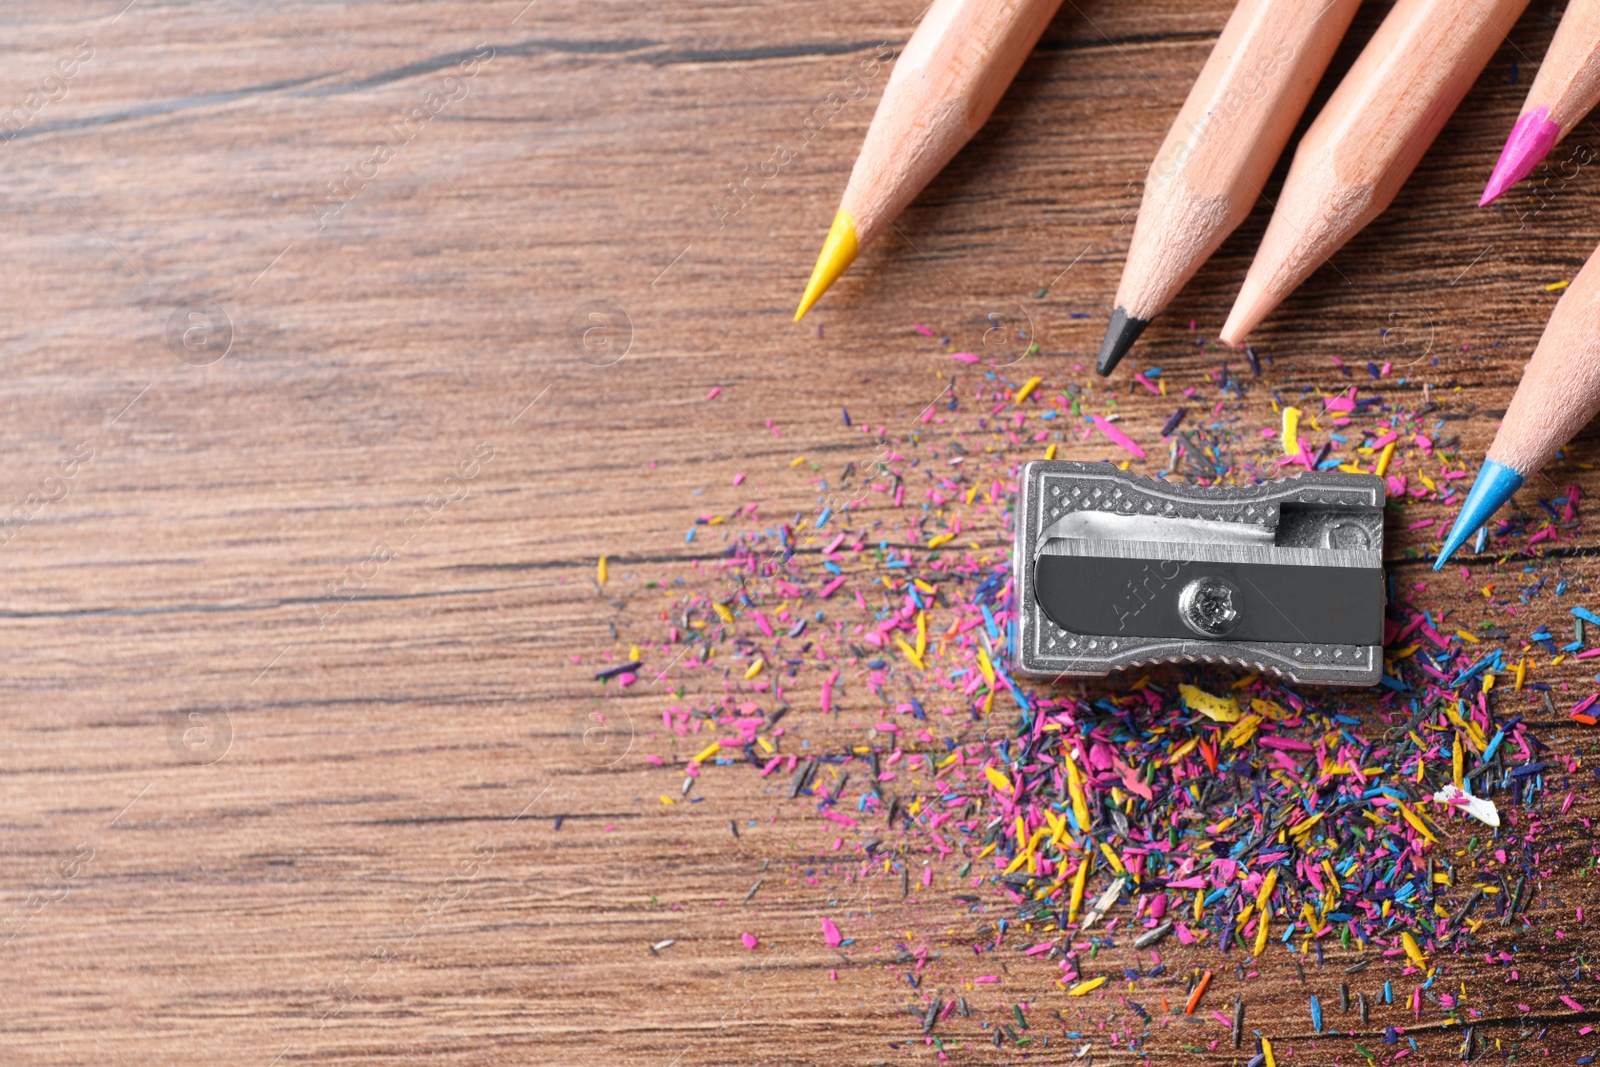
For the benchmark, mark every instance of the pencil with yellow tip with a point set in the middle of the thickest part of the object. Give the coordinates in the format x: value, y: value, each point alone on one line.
x: 951, y: 75
x: 1558, y: 395
x: 1220, y: 150
x: 1368, y: 139
x: 1565, y: 89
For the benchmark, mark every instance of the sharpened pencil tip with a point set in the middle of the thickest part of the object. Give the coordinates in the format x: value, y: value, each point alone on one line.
x: 1531, y: 140
x: 1252, y: 305
x: 1496, y: 482
x: 838, y: 252
x: 1121, y: 332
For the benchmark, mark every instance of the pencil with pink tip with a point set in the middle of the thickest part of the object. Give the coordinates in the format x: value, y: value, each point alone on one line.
x: 1565, y: 89
x: 1368, y: 139
x: 1558, y: 395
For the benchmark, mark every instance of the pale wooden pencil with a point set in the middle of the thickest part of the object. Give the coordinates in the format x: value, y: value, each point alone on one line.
x: 1558, y: 395
x: 1220, y: 150
x: 1368, y: 139
x: 1565, y: 89
x: 952, y: 73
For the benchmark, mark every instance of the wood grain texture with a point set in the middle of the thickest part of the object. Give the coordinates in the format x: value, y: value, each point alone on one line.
x: 284, y: 548
x: 1568, y: 82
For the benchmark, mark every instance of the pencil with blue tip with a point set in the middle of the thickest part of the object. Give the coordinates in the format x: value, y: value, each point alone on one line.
x: 1558, y: 395
x: 954, y: 70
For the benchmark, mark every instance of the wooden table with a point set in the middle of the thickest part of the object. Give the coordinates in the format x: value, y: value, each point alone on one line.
x: 309, y: 467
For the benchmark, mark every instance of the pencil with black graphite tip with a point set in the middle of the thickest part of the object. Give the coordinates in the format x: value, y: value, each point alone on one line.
x: 1368, y: 139
x: 1221, y: 148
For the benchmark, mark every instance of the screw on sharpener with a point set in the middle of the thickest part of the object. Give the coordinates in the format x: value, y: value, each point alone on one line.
x: 1209, y: 606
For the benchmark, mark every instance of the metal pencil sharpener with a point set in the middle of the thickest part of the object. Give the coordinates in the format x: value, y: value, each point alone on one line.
x: 1114, y: 570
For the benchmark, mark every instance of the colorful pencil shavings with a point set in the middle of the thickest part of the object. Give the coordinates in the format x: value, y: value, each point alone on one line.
x: 1087, y: 865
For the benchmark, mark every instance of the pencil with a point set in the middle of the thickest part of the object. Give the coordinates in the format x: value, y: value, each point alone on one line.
x: 1368, y: 139
x: 1559, y: 393
x: 944, y: 86
x: 1220, y: 150
x: 1566, y: 87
